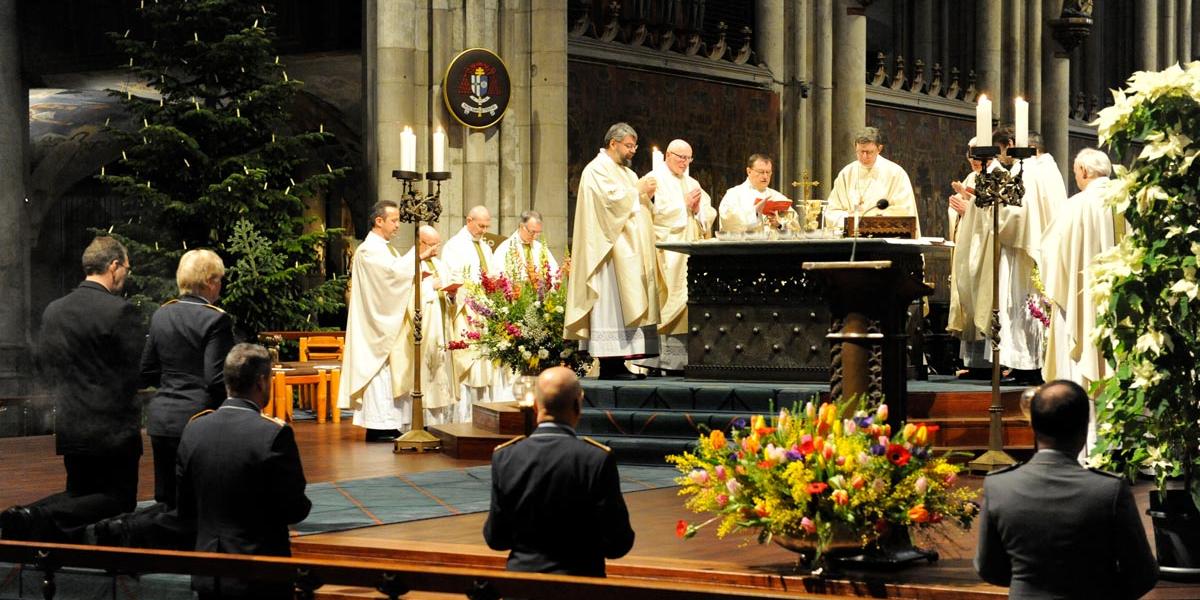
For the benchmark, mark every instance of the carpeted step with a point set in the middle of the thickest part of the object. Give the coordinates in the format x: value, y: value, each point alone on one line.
x: 675, y: 393
x: 656, y: 423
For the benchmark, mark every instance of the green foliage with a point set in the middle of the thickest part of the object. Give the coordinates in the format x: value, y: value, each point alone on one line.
x: 214, y: 165
x: 1149, y: 408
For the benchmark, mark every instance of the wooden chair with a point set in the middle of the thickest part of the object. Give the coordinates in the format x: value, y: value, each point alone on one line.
x: 321, y: 348
x: 283, y: 383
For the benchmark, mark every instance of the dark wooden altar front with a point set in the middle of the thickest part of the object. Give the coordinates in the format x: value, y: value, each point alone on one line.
x: 756, y: 314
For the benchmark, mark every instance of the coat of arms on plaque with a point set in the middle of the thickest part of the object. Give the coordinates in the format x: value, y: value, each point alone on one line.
x: 476, y: 88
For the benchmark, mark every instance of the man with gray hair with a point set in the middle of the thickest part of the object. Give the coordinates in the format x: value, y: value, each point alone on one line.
x: 240, y: 477
x: 523, y: 252
x: 1083, y: 228
x: 871, y: 178
x: 612, y: 299
x: 467, y: 256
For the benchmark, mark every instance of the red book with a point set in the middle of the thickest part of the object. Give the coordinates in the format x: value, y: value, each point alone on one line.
x: 771, y: 207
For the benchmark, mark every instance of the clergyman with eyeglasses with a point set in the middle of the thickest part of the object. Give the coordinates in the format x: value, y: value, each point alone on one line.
x: 742, y: 207
x: 612, y: 299
x: 523, y: 252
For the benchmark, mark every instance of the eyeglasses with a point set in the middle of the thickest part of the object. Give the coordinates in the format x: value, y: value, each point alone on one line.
x: 686, y: 159
x: 531, y: 231
x: 762, y: 172
x: 629, y: 146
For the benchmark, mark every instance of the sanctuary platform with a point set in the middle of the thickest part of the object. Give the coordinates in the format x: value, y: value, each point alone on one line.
x: 645, y: 420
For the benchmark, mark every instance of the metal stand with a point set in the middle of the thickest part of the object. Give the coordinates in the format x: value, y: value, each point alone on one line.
x: 415, y: 209
x: 996, y: 189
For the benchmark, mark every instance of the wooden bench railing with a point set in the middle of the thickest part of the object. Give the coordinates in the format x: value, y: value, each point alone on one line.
x: 390, y: 578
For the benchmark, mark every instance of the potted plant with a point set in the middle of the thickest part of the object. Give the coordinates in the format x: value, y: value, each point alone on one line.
x: 821, y: 479
x: 1149, y: 321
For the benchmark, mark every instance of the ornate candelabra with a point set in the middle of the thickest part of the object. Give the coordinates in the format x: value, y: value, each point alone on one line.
x: 417, y: 208
x: 994, y: 189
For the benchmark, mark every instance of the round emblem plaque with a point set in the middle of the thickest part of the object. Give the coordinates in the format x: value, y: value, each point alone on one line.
x: 476, y: 88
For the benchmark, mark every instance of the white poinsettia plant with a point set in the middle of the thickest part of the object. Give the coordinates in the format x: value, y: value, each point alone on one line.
x: 1146, y: 287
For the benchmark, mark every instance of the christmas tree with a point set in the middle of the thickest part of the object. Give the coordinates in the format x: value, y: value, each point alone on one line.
x: 213, y: 163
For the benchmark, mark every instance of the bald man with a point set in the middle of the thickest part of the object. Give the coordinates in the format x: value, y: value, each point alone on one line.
x: 682, y: 213
x: 467, y: 257
x: 556, y: 497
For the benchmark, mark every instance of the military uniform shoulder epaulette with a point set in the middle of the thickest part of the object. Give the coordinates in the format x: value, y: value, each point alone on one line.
x: 596, y: 444
x: 216, y: 308
x: 170, y: 302
x: 200, y: 414
x: 1005, y: 469
x: 509, y: 442
x: 1107, y: 473
x: 275, y: 420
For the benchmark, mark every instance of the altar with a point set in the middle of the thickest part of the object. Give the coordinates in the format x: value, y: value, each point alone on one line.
x: 802, y: 310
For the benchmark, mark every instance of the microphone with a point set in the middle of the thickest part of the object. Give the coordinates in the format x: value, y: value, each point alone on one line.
x: 882, y: 204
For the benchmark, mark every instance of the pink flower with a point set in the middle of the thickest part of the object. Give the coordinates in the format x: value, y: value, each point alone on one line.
x: 921, y: 485
x: 808, y: 526
x: 699, y: 476
x: 720, y: 472
x: 722, y: 500
x: 733, y: 486
x: 950, y: 478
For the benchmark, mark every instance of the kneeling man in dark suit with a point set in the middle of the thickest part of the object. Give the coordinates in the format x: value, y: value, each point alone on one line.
x: 1051, y: 528
x: 240, y: 478
x: 556, y: 497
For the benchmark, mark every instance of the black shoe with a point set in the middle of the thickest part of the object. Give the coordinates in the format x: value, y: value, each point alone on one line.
x: 614, y: 368
x: 382, y: 435
x: 111, y: 532
x: 1024, y: 377
x: 976, y: 374
x: 16, y: 523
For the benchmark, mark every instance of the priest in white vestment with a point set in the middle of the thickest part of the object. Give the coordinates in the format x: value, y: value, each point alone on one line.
x: 612, y: 299
x: 380, y: 287
x: 439, y: 384
x: 523, y: 249
x: 1084, y: 228
x: 682, y: 213
x: 1021, y: 230
x: 467, y: 256
x: 975, y: 354
x: 741, y: 207
x: 871, y: 178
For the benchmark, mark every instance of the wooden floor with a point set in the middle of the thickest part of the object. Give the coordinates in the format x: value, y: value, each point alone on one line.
x: 332, y: 452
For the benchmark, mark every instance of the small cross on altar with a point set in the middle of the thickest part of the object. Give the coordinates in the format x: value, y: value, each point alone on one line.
x: 806, y: 185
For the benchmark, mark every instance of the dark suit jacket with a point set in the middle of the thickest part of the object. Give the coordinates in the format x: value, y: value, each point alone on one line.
x: 1053, y: 529
x: 241, y: 482
x: 185, y: 359
x: 557, y: 505
x: 87, y: 356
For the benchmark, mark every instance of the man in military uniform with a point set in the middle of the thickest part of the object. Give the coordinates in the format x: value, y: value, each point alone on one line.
x: 556, y: 497
x: 1051, y: 528
x: 240, y: 477
x: 87, y: 357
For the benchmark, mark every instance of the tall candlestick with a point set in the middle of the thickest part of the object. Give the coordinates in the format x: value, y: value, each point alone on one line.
x: 983, y: 122
x: 439, y: 150
x: 656, y: 158
x: 408, y: 149
x: 1022, y: 120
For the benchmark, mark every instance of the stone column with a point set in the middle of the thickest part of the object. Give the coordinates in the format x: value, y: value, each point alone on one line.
x: 445, y: 40
x: 1166, y: 34
x: 1013, y: 66
x: 988, y: 27
x: 1056, y: 88
x: 14, y: 231
x: 1183, y: 30
x: 798, y: 137
x: 925, y: 12
x: 548, y: 137
x: 396, y: 62
x: 1032, y: 41
x: 849, y: 78
x: 1146, y: 38
x: 1195, y: 31
x: 770, y: 43
x: 515, y: 163
x: 822, y: 144
x: 481, y: 150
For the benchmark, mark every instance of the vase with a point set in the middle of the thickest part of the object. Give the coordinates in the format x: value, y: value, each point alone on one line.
x: 524, y: 388
x: 845, y: 541
x: 1176, y: 533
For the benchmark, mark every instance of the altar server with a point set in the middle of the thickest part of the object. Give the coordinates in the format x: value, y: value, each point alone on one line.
x: 741, y: 207
x: 871, y: 178
x: 523, y: 249
x: 975, y: 354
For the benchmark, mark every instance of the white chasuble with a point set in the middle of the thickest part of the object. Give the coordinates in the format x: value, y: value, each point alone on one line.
x: 857, y: 189
x: 466, y: 258
x: 737, y: 206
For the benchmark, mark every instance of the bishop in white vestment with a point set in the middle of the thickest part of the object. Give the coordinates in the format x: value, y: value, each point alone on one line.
x: 612, y: 300
x: 864, y: 182
x: 682, y: 213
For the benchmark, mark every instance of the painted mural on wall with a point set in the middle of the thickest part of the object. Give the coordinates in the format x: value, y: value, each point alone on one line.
x: 724, y: 123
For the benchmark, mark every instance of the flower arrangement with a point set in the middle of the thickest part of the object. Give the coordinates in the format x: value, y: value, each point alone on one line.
x: 1146, y: 286
x: 1036, y: 303
x: 812, y: 472
x: 517, y: 321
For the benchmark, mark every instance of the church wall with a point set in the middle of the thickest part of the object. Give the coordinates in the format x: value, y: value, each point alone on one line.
x: 724, y: 122
x: 932, y: 149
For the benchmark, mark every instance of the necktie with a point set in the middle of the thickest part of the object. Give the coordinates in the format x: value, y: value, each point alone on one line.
x: 528, y: 253
x: 482, y: 260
